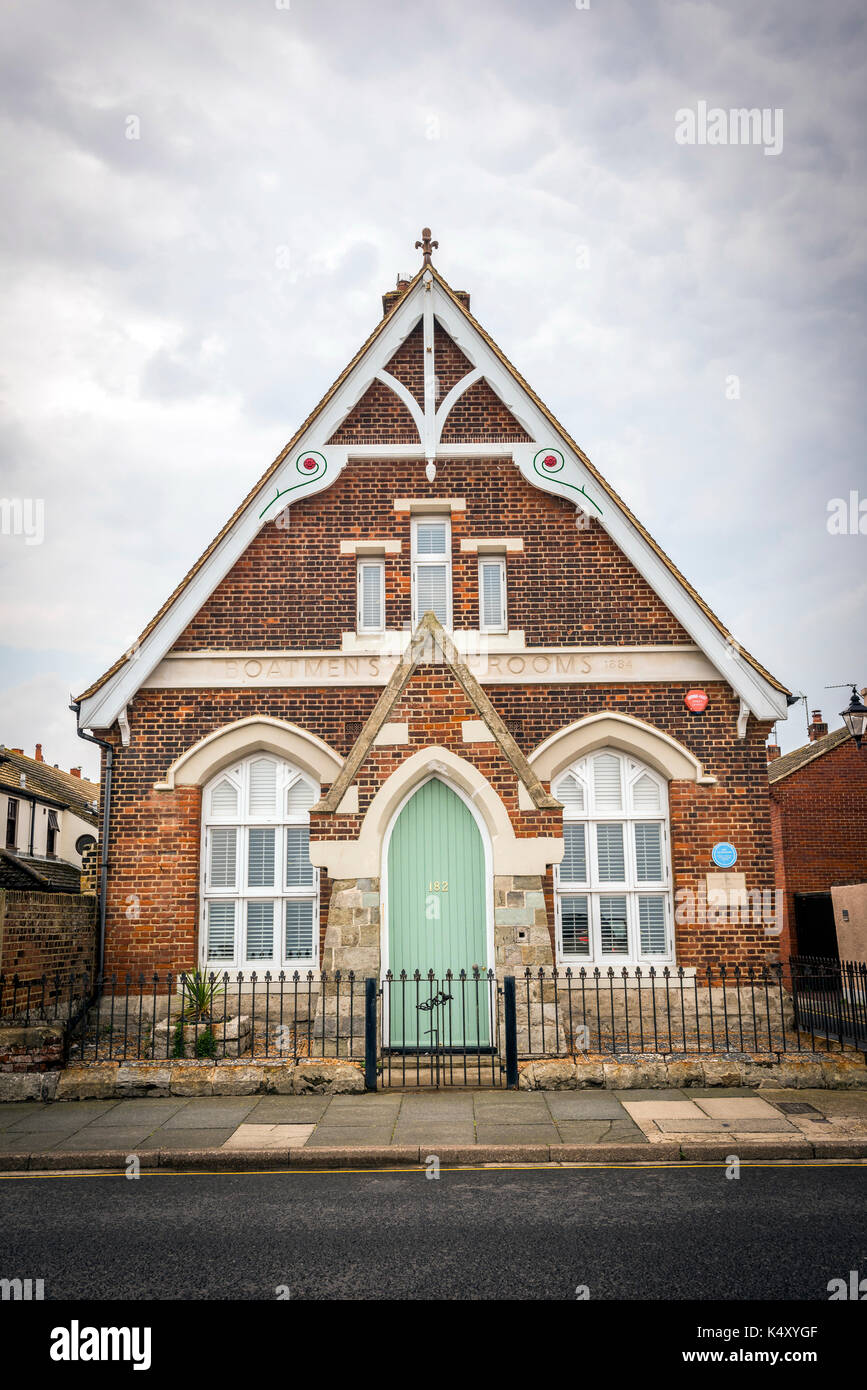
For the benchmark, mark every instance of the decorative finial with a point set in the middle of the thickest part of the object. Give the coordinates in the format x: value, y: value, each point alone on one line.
x: 426, y: 245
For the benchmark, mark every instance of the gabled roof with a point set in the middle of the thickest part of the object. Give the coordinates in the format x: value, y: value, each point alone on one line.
x: 47, y: 783
x: 799, y: 757
x: 27, y: 873
x: 429, y: 642
x: 572, y: 474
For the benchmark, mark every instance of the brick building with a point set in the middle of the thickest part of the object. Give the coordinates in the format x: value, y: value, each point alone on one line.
x: 423, y: 701
x: 819, y: 829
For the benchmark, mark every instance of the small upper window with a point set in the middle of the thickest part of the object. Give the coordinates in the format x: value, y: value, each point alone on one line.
x: 11, y: 822
x: 52, y: 833
x: 432, y: 569
x: 492, y: 594
x: 371, y: 596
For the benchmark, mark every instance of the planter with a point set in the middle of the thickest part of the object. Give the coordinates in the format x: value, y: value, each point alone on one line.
x: 230, y: 1038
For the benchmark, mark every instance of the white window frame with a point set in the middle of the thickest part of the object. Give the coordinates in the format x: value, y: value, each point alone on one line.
x: 594, y: 888
x: 417, y: 561
x: 370, y: 562
x: 241, y: 894
x: 503, y: 624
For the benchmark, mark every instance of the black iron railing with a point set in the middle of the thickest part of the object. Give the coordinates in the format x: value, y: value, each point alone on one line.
x: 797, y: 1007
x: 196, y: 1015
x: 452, y: 1028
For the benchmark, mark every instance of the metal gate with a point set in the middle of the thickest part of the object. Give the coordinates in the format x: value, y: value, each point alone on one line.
x: 440, y: 1030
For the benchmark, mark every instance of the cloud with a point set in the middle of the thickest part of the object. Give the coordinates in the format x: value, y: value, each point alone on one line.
x: 176, y: 303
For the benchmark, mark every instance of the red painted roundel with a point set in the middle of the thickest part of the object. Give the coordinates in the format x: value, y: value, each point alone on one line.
x: 309, y: 464
x: 696, y: 700
x: 550, y: 461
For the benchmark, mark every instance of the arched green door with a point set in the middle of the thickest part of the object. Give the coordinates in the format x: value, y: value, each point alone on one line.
x: 437, y: 919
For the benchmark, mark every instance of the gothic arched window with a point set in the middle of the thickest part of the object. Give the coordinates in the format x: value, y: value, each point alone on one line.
x: 613, y: 885
x: 259, y: 890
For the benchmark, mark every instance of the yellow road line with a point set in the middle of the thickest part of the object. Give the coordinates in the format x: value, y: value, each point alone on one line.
x: 671, y: 1164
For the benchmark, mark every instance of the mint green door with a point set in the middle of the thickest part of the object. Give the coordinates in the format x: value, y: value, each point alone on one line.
x: 437, y: 920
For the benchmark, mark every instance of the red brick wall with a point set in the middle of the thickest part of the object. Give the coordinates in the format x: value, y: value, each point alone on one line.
x: 155, y: 836
x: 293, y: 588
x: 41, y: 933
x: 820, y: 826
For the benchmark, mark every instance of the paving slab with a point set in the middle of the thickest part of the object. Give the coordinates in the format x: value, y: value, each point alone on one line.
x: 294, y: 1110
x: 708, y: 1125
x: 97, y: 1136
x: 268, y: 1137
x: 664, y: 1093
x: 16, y: 1110
x: 585, y: 1105
x: 737, y: 1107
x: 60, y: 1115
x: 211, y: 1112
x: 145, y: 1111
x: 209, y: 1138
x: 351, y: 1136
x: 455, y: 1132
x: 488, y: 1132
x: 11, y: 1143
x: 642, y: 1110
x: 626, y: 1130
x: 583, y: 1131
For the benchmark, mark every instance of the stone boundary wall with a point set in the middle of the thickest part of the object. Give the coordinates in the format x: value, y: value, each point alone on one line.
x: 36, y: 1048
x: 123, y: 1080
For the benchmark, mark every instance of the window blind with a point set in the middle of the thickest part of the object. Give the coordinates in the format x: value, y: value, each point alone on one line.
x: 606, y: 782
x: 299, y: 870
x: 493, y: 597
x: 263, y: 787
x: 651, y: 921
x: 221, y: 931
x: 611, y: 863
x: 573, y: 865
x: 260, y: 857
x: 260, y: 931
x: 299, y: 930
x: 371, y: 597
x: 575, y: 927
x: 223, y: 866
x: 432, y: 591
x: 648, y: 853
x: 612, y: 924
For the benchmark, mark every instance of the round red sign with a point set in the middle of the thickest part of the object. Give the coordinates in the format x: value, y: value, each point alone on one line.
x: 696, y: 700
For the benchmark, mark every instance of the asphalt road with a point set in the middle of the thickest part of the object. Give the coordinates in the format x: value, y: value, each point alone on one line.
x: 674, y: 1233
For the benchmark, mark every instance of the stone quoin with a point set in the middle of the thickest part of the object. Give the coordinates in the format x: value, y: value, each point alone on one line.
x: 406, y: 713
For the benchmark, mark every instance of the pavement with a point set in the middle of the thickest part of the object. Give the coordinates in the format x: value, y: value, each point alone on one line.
x: 458, y: 1127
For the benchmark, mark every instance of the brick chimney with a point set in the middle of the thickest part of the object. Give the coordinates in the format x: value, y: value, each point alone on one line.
x: 76, y: 771
x: 773, y: 752
x: 817, y: 729
x: 39, y: 757
x: 390, y: 298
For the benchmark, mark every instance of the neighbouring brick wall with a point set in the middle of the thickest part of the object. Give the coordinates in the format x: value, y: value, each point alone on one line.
x: 41, y: 933
x: 820, y: 826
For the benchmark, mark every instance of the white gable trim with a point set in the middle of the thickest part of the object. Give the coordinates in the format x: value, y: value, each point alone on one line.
x: 572, y: 480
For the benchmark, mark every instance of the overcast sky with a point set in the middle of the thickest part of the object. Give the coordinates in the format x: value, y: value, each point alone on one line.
x: 175, y: 304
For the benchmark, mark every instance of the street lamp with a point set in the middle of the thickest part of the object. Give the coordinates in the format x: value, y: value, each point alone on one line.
x: 855, y: 717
